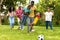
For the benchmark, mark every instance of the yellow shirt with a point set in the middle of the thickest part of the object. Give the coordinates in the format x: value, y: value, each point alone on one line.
x: 32, y: 11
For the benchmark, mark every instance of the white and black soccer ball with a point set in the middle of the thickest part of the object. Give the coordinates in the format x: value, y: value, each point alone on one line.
x: 41, y: 37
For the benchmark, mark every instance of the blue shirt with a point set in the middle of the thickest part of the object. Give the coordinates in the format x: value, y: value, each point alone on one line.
x: 26, y: 10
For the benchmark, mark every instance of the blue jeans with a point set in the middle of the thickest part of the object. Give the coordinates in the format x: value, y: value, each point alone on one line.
x: 11, y: 20
x: 49, y: 23
x: 23, y: 21
x: 30, y: 20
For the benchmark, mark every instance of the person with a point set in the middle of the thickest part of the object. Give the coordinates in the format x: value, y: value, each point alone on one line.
x: 11, y: 15
x: 19, y: 14
x: 37, y: 17
x: 31, y: 16
x: 26, y: 12
x: 48, y: 18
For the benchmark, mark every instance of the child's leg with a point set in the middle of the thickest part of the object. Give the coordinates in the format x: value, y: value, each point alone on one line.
x: 18, y: 21
x: 11, y: 22
x: 11, y: 25
x: 35, y: 20
x: 23, y: 21
x: 21, y: 24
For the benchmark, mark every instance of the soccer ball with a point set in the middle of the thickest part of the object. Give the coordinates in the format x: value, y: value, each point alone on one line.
x: 41, y: 37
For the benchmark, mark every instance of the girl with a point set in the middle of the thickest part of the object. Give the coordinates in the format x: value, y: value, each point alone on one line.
x: 19, y: 14
x: 11, y: 15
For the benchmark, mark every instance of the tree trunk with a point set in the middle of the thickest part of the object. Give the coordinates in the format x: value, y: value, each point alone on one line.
x: 0, y: 10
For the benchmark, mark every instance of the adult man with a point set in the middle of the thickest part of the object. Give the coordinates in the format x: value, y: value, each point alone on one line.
x: 31, y: 16
x: 48, y: 18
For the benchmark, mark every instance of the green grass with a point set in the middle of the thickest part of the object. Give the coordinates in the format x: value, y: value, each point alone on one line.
x: 7, y: 34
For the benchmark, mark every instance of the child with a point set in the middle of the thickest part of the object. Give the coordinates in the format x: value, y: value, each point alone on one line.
x: 26, y: 12
x: 11, y: 15
x: 19, y: 13
x: 37, y: 17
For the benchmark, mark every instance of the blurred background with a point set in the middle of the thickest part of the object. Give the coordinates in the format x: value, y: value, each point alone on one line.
x: 40, y: 4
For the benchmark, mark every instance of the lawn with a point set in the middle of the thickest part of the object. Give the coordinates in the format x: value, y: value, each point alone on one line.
x: 14, y: 34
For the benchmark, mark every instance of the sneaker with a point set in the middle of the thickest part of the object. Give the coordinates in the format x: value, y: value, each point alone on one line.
x: 32, y: 30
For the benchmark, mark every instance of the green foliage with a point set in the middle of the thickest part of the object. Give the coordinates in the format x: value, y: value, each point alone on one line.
x: 57, y: 14
x: 54, y: 5
x: 9, y: 3
x: 13, y: 2
x: 41, y: 6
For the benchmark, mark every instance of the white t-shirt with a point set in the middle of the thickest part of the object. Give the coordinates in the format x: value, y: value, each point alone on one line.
x: 48, y: 16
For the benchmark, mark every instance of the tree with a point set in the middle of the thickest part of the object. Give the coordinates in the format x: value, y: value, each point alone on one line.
x: 0, y: 9
x: 54, y: 5
x: 9, y: 3
x: 0, y: 4
x: 57, y: 13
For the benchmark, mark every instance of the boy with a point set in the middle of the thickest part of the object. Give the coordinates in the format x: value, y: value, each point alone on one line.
x: 26, y: 12
x: 37, y: 17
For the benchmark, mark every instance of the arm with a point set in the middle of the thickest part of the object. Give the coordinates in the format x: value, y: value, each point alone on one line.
x: 14, y: 13
x: 44, y: 13
x: 35, y: 10
x: 52, y: 14
x: 17, y: 14
x: 7, y: 14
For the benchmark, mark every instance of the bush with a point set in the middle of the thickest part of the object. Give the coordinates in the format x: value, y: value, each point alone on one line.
x: 57, y: 14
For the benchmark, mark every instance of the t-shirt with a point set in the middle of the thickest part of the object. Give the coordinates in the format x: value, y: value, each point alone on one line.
x: 48, y: 16
x: 32, y: 11
x: 19, y: 13
x: 12, y: 14
x: 26, y: 10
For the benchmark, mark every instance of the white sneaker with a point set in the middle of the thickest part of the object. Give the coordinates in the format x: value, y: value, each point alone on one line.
x: 32, y: 30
